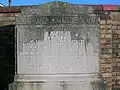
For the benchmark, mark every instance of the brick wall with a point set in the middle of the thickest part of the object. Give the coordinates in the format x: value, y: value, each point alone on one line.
x: 8, y: 15
x: 7, y: 18
x: 106, y: 51
x: 115, y: 16
x: 110, y: 50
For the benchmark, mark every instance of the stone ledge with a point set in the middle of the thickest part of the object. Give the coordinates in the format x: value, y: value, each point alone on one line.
x: 57, y: 77
x: 59, y: 85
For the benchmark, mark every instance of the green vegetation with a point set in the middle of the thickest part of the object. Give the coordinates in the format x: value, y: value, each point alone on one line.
x: 62, y: 4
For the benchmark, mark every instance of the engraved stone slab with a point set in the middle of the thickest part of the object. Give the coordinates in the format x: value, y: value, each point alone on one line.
x: 57, y: 48
x: 49, y: 43
x: 61, y: 52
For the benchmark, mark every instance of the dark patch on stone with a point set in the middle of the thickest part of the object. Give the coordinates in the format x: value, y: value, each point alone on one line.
x: 99, y: 85
x: 63, y: 85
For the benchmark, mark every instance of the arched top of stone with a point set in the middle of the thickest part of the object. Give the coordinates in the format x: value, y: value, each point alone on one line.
x: 57, y: 8
x: 57, y: 13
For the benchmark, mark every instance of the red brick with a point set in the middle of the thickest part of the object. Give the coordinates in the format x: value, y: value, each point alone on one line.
x: 1, y: 15
x: 109, y: 46
x: 107, y: 74
x: 106, y: 56
x: 102, y: 22
x: 102, y: 40
x: 102, y: 35
x: 103, y: 31
x: 103, y: 61
x: 109, y: 61
x: 108, y: 36
x: 109, y: 31
x: 108, y: 40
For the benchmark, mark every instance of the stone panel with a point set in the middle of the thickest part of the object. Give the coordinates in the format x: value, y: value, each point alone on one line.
x: 59, y: 38
x: 59, y: 41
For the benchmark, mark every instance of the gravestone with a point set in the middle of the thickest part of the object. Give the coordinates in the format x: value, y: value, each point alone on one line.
x: 57, y: 48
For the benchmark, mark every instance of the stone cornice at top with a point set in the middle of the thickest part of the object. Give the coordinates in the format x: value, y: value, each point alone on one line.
x: 57, y: 8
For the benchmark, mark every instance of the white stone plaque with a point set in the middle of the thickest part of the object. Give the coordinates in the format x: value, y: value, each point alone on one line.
x: 57, y: 53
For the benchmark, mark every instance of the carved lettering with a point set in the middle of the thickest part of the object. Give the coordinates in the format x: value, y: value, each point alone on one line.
x: 57, y: 19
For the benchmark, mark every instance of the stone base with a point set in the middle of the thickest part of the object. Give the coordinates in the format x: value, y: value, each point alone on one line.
x: 57, y: 82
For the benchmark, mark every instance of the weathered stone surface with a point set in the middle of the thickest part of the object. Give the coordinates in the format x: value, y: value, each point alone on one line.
x: 57, y: 14
x: 58, y: 85
x: 57, y: 8
x: 58, y: 44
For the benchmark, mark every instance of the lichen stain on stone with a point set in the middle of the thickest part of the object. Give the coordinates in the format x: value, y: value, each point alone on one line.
x: 99, y: 85
x: 63, y: 85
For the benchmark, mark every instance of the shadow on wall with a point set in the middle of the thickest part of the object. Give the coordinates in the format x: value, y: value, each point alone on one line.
x: 7, y: 56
